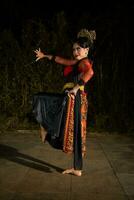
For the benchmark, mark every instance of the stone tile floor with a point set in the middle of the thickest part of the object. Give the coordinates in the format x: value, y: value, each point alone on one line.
x: 30, y: 170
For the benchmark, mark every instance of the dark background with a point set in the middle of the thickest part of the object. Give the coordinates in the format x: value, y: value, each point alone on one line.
x: 14, y: 13
x: 27, y: 25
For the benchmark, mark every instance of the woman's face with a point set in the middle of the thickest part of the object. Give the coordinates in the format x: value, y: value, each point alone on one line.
x: 79, y: 52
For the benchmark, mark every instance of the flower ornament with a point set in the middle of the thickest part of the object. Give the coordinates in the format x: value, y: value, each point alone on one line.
x: 91, y: 35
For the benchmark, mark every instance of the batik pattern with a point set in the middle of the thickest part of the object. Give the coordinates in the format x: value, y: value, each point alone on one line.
x: 69, y: 124
x: 84, y: 108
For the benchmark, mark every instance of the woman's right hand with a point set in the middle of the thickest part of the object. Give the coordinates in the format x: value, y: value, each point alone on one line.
x: 39, y: 54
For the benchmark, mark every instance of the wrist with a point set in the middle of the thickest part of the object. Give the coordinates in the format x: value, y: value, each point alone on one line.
x: 51, y: 57
x: 76, y: 87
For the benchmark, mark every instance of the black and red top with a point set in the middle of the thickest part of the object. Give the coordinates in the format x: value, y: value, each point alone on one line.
x: 77, y: 71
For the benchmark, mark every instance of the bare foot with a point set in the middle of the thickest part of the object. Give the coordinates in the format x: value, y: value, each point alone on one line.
x: 77, y: 172
x: 43, y: 134
x: 68, y: 171
x: 72, y: 171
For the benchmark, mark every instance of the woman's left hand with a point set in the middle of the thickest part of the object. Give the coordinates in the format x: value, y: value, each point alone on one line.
x: 74, y: 90
x: 39, y: 54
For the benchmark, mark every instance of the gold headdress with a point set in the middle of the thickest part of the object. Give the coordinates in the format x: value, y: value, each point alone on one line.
x: 91, y: 35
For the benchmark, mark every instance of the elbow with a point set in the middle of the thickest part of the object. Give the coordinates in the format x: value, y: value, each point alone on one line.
x: 92, y: 73
x: 88, y: 76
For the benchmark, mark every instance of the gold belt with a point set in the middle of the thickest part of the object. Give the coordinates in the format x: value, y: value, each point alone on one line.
x: 71, y: 85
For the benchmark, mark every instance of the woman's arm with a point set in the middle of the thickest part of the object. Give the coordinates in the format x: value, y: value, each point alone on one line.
x: 57, y: 59
x: 64, y: 61
x: 86, y: 74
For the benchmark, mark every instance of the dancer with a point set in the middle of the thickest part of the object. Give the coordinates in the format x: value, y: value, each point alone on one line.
x: 63, y: 117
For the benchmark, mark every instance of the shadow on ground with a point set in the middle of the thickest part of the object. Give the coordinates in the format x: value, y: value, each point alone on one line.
x: 12, y: 154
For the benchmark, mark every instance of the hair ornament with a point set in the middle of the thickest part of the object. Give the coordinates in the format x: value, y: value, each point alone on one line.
x: 91, y: 35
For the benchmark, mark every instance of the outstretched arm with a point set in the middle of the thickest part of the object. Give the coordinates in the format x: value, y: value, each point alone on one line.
x: 57, y: 59
x: 64, y: 61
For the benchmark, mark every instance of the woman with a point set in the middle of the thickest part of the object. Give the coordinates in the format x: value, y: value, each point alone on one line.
x: 62, y: 117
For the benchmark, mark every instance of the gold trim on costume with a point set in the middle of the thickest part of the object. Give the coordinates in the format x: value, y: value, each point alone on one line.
x: 69, y: 126
x: 84, y: 108
x: 82, y: 87
x: 71, y: 85
x: 68, y: 85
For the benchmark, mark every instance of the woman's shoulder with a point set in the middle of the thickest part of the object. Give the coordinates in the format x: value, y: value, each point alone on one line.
x: 85, y: 61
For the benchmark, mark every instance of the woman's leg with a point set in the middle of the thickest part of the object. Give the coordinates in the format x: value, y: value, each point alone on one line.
x: 77, y: 169
x: 43, y: 134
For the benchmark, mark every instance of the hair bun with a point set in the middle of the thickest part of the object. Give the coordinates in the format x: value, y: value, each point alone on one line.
x: 91, y: 35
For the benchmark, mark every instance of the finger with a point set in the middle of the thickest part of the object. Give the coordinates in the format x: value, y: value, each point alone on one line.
x: 72, y: 95
x: 37, y: 59
x: 39, y: 49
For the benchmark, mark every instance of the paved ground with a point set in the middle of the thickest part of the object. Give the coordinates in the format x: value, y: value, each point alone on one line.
x: 30, y: 170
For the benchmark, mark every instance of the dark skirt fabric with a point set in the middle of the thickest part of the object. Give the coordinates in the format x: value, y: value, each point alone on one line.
x: 49, y: 110
x: 61, y: 115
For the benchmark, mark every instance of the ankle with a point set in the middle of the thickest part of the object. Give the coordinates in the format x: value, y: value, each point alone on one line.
x: 43, y: 134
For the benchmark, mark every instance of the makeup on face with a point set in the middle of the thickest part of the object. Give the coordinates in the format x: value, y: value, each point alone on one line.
x: 79, y: 52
